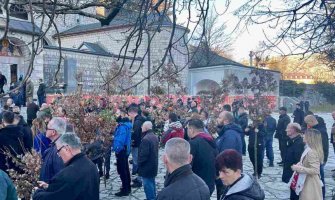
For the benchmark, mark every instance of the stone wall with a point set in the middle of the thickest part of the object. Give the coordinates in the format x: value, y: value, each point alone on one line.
x: 84, y: 62
x: 113, y: 39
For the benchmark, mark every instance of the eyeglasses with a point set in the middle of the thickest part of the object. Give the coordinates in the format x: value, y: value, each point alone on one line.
x: 58, y: 150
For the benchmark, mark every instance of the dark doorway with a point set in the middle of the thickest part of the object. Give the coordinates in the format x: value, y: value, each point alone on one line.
x: 13, y: 73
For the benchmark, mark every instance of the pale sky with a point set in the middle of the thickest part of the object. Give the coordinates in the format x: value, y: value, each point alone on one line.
x: 246, y: 41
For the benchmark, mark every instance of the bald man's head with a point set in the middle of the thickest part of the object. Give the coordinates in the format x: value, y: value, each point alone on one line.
x: 225, y: 117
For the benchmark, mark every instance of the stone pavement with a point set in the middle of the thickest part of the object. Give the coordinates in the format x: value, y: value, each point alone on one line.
x: 270, y: 180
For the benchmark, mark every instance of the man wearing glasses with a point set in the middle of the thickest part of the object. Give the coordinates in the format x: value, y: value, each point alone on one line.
x: 52, y: 163
x: 78, y: 180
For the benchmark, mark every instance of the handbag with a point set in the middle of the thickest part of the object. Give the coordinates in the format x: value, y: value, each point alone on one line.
x: 297, y: 182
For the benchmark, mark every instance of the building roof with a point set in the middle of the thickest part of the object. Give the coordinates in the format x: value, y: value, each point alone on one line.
x: 125, y: 19
x: 204, y: 59
x: 107, y: 54
x: 21, y: 26
x: 93, y: 47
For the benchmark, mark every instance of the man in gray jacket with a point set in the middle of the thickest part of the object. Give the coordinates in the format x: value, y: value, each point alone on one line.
x: 181, y: 182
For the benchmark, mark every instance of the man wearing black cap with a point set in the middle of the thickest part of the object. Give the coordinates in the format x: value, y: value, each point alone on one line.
x: 281, y: 135
x: 298, y: 114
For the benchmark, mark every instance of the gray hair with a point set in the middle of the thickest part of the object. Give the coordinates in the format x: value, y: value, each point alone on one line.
x: 228, y: 116
x: 59, y: 124
x: 296, y: 126
x: 178, y: 151
x: 147, y: 125
x: 70, y: 139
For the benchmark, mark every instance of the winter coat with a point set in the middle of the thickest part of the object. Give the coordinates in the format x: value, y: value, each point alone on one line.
x: 11, y: 138
x: 332, y: 135
x: 148, y: 155
x: 122, y: 137
x: 51, y: 163
x: 246, y: 188
x: 41, y: 89
x: 325, y: 140
x: 27, y: 134
x: 29, y: 89
x: 243, y: 121
x: 204, y: 152
x: 270, y: 125
x: 259, y: 140
x: 79, y: 180
x: 175, y: 130
x: 41, y: 143
x: 295, y: 148
x: 312, y: 185
x: 7, y: 189
x: 3, y: 80
x: 299, y: 116
x: 183, y: 184
x: 230, y: 138
x: 283, y: 121
x: 32, y: 109
x: 137, y: 131
x: 94, y: 150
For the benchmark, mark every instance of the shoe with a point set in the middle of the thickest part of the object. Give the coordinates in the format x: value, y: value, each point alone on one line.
x: 107, y: 176
x: 271, y: 165
x: 122, y: 193
x: 280, y: 163
x: 136, y: 185
x: 130, y: 161
x: 133, y: 173
x: 333, y: 170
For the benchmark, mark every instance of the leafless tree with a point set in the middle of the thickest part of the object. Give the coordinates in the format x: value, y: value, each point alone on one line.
x: 148, y: 16
x: 303, y: 27
x: 213, y: 36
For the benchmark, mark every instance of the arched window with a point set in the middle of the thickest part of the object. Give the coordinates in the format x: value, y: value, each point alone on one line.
x: 18, y: 11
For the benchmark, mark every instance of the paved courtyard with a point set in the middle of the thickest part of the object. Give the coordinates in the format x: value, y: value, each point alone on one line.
x: 270, y: 181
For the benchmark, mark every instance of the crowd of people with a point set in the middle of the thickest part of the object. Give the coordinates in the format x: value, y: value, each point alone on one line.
x: 197, y: 162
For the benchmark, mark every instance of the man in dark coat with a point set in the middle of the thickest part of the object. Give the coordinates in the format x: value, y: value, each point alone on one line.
x: 242, y: 120
x: 51, y: 162
x: 203, y: 150
x: 181, y: 182
x: 11, y: 138
x: 79, y: 180
x: 298, y: 115
x: 270, y: 126
x: 26, y: 130
x: 256, y: 133
x: 136, y: 136
x: 230, y: 135
x: 3, y: 81
x: 332, y: 135
x: 41, y: 94
x: 148, y: 160
x: 281, y: 135
x: 295, y: 148
x: 229, y: 138
x: 32, y: 110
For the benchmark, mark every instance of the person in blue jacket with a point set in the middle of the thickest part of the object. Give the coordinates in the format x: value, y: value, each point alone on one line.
x: 121, y: 146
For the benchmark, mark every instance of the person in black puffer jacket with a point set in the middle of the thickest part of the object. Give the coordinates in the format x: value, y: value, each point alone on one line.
x: 204, y: 152
x: 256, y: 133
x: 242, y: 120
x: 239, y: 186
x: 181, y: 183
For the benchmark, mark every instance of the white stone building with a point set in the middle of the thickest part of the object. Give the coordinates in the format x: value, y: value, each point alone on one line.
x: 85, y: 44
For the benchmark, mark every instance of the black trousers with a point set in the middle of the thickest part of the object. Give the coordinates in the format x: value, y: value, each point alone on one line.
x: 260, y: 154
x: 99, y: 163
x: 293, y: 195
x: 107, y: 157
x: 282, y: 148
x: 122, y: 167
